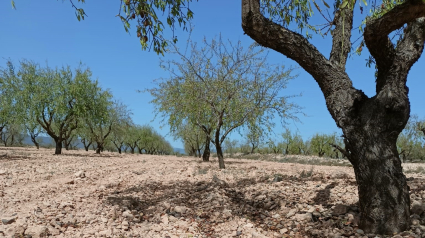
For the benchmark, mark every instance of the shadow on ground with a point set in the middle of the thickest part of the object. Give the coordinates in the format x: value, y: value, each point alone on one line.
x: 205, y: 199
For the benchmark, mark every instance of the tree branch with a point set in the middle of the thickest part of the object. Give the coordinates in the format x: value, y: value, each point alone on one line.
x: 341, y: 44
x: 410, y: 48
x: 404, y: 13
x: 294, y: 46
x: 377, y: 31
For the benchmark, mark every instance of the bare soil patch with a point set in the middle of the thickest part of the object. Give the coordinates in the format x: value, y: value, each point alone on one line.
x: 81, y: 194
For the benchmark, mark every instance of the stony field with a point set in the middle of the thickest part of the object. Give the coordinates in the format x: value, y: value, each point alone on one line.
x: 81, y: 194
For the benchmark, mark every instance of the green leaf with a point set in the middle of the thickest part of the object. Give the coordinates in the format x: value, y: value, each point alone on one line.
x: 327, y: 4
x: 365, y: 3
x: 13, y: 5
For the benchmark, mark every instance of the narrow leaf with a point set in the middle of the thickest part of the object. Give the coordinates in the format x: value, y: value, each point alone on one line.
x: 327, y: 4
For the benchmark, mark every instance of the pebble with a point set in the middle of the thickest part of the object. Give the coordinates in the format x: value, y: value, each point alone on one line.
x: 8, y: 220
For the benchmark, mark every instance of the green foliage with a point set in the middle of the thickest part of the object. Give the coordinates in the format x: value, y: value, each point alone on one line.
x: 57, y: 109
x: 193, y: 139
x: 231, y: 146
x: 13, y: 134
x: 254, y: 137
x: 410, y: 142
x: 220, y: 88
x: 321, y: 145
x: 292, y: 143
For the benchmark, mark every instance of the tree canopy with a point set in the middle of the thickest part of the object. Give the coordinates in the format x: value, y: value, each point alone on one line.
x: 221, y: 87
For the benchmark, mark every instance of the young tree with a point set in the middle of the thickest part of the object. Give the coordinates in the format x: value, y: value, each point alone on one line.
x: 370, y: 125
x: 254, y: 136
x: 221, y: 88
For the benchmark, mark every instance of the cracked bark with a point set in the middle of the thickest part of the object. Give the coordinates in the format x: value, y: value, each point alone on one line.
x: 370, y: 125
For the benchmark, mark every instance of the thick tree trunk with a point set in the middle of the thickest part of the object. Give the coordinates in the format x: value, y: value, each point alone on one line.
x: 132, y: 150
x: 383, y: 192
x: 58, y: 149
x: 99, y: 147
x: 199, y: 153
x: 119, y: 150
x: 370, y: 125
x: 207, y: 152
x: 220, y: 156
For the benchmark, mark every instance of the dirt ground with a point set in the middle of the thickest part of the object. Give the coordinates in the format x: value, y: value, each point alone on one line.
x: 81, y: 194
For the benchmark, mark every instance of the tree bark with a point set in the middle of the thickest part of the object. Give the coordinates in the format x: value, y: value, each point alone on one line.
x: 33, y: 139
x: 58, y: 149
x: 383, y: 192
x: 370, y: 125
x: 99, y: 149
x: 220, y: 156
x: 207, y: 152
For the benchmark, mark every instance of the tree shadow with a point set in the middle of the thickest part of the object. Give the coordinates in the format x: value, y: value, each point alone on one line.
x: 92, y: 155
x: 204, y: 199
x: 322, y: 197
x: 7, y: 157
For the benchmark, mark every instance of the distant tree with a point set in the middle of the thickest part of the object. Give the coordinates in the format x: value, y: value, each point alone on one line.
x: 254, y: 136
x: 85, y: 136
x: 58, y: 108
x: 13, y: 134
x: 34, y: 129
x: 221, y: 88
x: 70, y: 141
x: 193, y: 139
x: 409, y: 144
x: 230, y: 146
x: 118, y: 134
x: 9, y: 108
x: 133, y: 135
x: 275, y: 146
x: 321, y: 144
x: 292, y: 143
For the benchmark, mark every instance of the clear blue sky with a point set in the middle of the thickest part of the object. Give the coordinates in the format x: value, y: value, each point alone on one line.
x: 47, y: 30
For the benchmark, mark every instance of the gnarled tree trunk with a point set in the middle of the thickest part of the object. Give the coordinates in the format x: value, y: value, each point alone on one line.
x: 370, y: 125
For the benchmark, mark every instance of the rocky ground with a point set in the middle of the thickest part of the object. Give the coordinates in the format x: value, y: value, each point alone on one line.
x: 81, y: 194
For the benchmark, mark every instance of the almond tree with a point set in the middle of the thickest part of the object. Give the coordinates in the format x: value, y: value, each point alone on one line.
x: 220, y: 88
x: 194, y: 140
x: 370, y: 125
x: 57, y: 109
